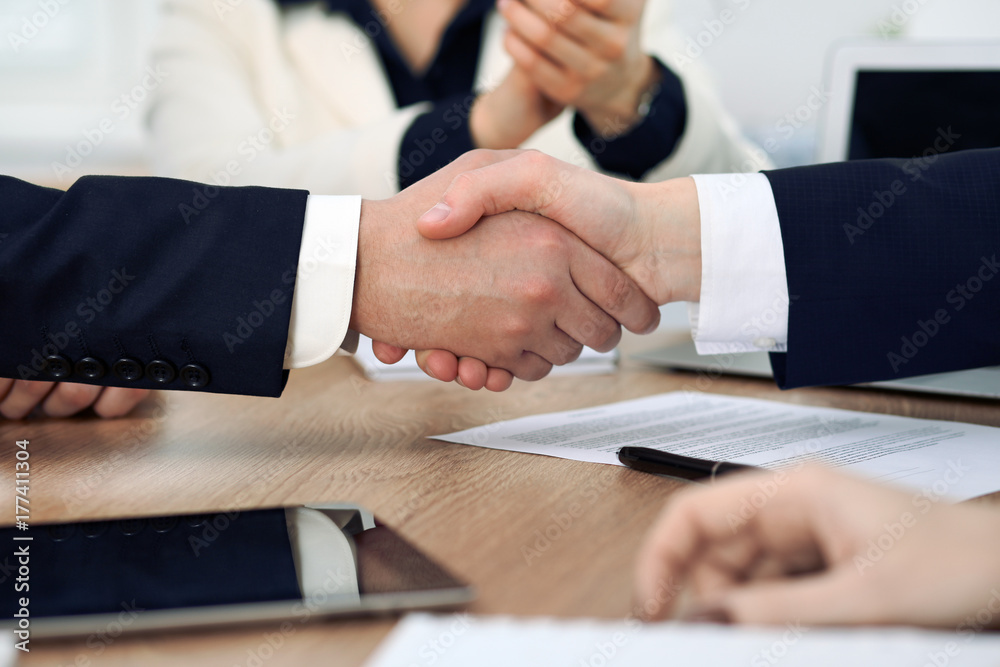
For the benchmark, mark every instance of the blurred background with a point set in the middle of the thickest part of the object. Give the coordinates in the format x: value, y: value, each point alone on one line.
x: 68, y: 65
x: 72, y: 71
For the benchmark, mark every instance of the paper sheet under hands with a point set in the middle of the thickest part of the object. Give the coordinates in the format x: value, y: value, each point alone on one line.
x: 940, y: 458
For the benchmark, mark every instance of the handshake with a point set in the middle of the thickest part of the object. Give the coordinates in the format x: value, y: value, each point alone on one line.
x: 506, y: 263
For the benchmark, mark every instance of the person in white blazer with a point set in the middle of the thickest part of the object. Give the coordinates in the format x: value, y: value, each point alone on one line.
x: 254, y: 93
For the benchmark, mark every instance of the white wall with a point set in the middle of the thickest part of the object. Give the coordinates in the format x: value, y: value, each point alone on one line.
x: 71, y: 76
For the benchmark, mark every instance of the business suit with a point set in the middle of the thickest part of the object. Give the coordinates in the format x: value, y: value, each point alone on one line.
x: 892, y: 267
x: 148, y: 283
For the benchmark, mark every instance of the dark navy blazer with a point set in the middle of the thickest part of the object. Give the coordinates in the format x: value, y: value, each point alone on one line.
x: 892, y: 267
x: 148, y: 282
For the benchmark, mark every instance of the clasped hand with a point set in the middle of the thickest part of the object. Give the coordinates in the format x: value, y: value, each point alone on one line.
x: 517, y: 292
x: 650, y: 232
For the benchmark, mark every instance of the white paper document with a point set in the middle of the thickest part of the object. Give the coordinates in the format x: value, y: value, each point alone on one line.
x: 589, y: 363
x: 461, y: 640
x: 950, y: 459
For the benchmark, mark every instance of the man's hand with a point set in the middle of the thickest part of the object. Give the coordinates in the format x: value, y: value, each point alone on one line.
x: 518, y: 292
x: 822, y: 548
x: 585, y: 54
x: 63, y: 399
x: 652, y: 231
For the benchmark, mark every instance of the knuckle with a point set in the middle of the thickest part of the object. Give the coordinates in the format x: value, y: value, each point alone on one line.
x: 606, y: 334
x: 517, y: 328
x: 565, y: 9
x: 539, y: 289
x: 568, y: 352
x: 535, y: 159
x: 617, y: 291
x: 464, y: 181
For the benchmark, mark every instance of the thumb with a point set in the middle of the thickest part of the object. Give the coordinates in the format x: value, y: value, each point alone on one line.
x: 531, y: 182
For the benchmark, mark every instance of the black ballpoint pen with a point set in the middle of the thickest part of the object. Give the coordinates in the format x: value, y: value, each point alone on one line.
x: 686, y: 467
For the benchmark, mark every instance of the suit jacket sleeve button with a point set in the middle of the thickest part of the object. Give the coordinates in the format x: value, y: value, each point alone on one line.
x: 160, y: 372
x: 58, y: 366
x: 195, y: 376
x: 127, y: 369
x: 90, y: 368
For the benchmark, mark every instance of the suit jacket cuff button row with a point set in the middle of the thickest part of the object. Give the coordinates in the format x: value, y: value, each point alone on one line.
x: 194, y: 376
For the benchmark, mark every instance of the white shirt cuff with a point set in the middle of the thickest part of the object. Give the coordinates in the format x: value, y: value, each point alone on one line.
x: 324, y: 281
x: 744, y: 293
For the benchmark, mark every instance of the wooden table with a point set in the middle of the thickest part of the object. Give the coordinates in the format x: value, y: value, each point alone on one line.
x: 334, y: 435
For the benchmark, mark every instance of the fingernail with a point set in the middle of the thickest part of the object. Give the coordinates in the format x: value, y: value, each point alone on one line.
x: 436, y: 214
x: 502, y: 3
x: 708, y: 614
x: 459, y: 381
x: 431, y: 373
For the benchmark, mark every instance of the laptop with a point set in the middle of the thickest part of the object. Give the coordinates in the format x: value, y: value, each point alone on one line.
x: 892, y: 99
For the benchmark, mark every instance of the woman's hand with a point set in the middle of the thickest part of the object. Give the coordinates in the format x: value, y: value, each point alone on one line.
x: 820, y: 548
x: 64, y: 399
x: 585, y: 54
x: 510, y: 113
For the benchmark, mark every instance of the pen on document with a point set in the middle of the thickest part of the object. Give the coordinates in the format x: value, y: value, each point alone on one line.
x: 686, y: 467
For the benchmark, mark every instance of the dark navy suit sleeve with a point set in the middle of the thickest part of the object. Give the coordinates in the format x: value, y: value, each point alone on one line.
x: 892, y: 267
x: 149, y: 283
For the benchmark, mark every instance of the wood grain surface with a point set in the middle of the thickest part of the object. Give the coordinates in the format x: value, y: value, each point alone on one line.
x: 334, y: 435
